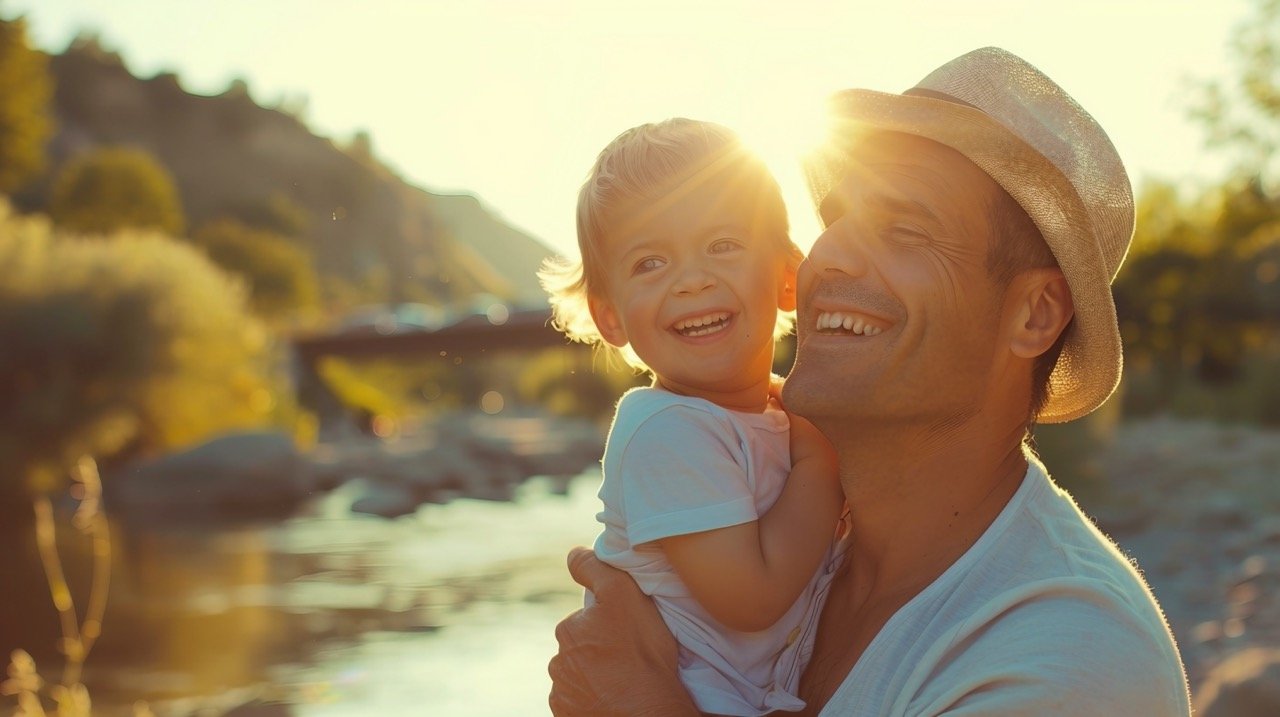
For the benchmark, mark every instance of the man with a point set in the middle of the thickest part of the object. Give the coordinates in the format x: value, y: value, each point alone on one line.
x: 977, y: 220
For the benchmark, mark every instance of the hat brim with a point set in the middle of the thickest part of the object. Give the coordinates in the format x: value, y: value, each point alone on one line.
x: 1088, y: 370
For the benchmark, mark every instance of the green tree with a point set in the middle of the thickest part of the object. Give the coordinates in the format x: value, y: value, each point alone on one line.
x: 139, y: 341
x: 106, y: 190
x: 280, y: 275
x: 1243, y: 113
x: 573, y: 381
x: 26, y: 93
x: 277, y: 213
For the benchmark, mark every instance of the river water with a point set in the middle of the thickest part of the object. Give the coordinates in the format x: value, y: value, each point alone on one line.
x: 448, y: 612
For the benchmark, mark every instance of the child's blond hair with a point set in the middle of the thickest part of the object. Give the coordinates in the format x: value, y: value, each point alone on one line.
x: 645, y: 163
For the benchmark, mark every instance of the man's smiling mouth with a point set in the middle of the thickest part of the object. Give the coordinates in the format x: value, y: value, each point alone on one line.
x: 704, y: 325
x: 839, y: 322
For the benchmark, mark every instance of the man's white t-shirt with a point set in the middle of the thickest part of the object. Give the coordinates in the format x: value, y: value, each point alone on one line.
x: 1041, y: 616
x: 675, y: 465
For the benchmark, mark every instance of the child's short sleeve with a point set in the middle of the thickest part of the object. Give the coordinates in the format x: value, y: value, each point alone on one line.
x: 683, y: 470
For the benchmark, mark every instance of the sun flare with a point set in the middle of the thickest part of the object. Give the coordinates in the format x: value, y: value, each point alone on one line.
x: 781, y: 138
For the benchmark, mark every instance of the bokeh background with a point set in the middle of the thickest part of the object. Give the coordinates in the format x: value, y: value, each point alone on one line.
x: 283, y: 431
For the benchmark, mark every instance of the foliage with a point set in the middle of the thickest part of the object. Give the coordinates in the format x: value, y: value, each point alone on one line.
x: 402, y: 387
x: 114, y: 188
x: 78, y: 635
x: 371, y: 236
x: 1198, y: 296
x: 572, y: 381
x: 139, y: 341
x: 1244, y: 115
x: 277, y: 214
x: 26, y: 93
x: 353, y: 386
x: 279, y: 274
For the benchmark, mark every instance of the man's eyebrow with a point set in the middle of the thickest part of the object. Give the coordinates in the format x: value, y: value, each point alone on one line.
x: 832, y: 207
x: 903, y: 206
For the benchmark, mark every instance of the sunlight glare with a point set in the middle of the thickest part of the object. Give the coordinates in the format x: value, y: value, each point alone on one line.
x: 781, y: 138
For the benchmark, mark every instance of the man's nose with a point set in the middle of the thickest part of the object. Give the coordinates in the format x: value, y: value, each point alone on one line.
x: 840, y: 250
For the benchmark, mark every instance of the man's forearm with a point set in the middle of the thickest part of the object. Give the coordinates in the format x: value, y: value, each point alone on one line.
x: 616, y: 657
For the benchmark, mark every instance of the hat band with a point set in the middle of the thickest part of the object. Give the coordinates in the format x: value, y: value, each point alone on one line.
x: 934, y: 94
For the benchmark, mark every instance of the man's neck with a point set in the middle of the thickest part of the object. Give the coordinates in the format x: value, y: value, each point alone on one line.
x: 920, y: 497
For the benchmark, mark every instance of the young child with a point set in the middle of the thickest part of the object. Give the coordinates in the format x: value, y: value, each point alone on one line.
x: 720, y: 506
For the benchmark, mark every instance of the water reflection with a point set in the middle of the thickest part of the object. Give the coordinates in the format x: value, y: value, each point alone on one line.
x: 446, y: 612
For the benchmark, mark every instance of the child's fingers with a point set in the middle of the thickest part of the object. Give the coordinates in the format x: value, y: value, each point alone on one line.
x: 775, y: 387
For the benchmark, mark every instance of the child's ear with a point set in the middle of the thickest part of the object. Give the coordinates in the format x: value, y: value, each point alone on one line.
x: 607, y: 321
x: 787, y: 280
x: 1042, y: 310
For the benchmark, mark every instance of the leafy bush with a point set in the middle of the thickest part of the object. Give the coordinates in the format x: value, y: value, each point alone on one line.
x: 114, y: 188
x: 573, y: 381
x: 1198, y: 296
x: 26, y: 95
x: 139, y: 341
x: 279, y: 274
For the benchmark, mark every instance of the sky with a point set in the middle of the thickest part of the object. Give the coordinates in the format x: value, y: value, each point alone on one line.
x: 512, y: 100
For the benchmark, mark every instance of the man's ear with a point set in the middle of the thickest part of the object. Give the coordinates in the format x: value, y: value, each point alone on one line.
x: 787, y: 280
x: 1042, y: 308
x: 607, y: 321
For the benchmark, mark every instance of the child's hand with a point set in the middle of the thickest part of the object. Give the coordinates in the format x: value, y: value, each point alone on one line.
x: 808, y: 443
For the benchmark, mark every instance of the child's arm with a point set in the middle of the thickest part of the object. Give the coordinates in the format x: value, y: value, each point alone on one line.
x: 748, y: 575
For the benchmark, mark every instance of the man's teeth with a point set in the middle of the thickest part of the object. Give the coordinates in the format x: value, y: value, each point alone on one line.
x: 837, y: 321
x: 702, y: 325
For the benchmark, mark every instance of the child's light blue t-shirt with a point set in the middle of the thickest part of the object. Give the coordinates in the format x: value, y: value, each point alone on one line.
x: 675, y: 465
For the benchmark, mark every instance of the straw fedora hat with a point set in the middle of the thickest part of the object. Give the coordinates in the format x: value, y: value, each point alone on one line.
x: 1052, y: 157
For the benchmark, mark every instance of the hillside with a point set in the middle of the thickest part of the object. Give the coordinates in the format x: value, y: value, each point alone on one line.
x: 365, y: 228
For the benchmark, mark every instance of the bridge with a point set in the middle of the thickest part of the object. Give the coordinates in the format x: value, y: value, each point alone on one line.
x: 469, y: 338
x: 523, y: 329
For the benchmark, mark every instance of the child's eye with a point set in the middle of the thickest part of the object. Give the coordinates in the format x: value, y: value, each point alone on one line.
x: 720, y: 246
x: 647, y: 264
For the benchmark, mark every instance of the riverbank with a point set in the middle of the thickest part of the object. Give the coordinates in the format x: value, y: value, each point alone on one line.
x: 330, y: 612
x: 1197, y: 505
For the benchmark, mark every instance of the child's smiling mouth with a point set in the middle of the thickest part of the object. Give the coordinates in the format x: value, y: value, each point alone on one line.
x: 705, y: 325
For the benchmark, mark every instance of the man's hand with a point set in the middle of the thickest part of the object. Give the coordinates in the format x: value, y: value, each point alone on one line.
x: 616, y: 656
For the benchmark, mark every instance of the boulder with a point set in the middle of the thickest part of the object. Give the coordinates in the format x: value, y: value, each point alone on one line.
x: 387, y: 500
x: 1245, y: 684
x: 248, y: 474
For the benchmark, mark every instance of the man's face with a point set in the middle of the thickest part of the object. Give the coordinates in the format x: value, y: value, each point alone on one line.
x: 898, y: 317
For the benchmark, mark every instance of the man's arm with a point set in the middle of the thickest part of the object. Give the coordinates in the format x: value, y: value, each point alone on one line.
x: 616, y: 658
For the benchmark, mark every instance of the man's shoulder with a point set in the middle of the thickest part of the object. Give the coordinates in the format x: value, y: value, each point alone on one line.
x: 1043, y: 565
x: 1047, y: 537
x: 1073, y: 639
x: 1051, y: 591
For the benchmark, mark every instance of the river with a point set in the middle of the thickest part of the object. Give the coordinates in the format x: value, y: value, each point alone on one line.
x: 447, y: 612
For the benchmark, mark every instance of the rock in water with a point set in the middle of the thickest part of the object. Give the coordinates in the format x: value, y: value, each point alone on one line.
x: 249, y: 474
x: 1246, y: 684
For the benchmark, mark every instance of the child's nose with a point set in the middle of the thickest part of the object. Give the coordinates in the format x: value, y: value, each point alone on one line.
x: 693, y: 280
